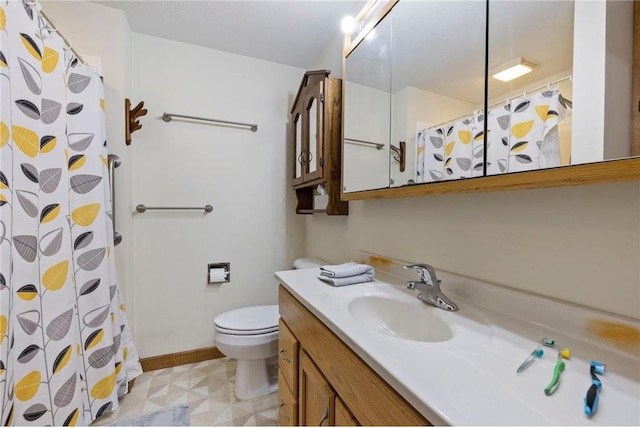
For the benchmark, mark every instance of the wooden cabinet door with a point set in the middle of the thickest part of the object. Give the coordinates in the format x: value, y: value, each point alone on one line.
x: 316, y: 398
x: 298, y: 146
x: 344, y: 417
x: 308, y: 117
x: 314, y: 114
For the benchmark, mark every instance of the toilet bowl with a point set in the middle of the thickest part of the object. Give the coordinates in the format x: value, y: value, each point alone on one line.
x: 250, y: 335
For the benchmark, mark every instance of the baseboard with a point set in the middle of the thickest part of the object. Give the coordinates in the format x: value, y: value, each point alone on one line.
x: 180, y: 358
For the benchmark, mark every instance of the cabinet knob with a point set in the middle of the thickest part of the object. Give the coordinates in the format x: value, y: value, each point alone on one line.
x: 283, y: 356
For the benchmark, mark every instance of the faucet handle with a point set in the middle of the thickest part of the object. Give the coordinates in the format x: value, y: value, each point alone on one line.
x: 426, y: 273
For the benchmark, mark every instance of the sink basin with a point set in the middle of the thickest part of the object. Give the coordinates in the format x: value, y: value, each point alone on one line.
x: 408, y: 320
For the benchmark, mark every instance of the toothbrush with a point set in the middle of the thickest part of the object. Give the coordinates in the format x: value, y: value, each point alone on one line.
x: 559, y: 368
x: 591, y: 399
x: 535, y: 355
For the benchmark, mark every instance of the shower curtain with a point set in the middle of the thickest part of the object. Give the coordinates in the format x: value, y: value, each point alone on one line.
x: 66, y: 352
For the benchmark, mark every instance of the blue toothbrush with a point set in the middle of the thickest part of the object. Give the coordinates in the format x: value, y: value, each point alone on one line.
x: 593, y: 393
x: 535, y: 355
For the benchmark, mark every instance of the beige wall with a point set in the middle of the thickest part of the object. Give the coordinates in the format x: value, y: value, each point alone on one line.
x: 578, y: 244
x: 242, y: 174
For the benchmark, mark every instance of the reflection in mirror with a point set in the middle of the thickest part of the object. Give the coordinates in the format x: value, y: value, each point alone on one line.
x: 298, y: 147
x: 438, y: 89
x: 367, y: 82
x: 313, y: 134
x: 574, y: 104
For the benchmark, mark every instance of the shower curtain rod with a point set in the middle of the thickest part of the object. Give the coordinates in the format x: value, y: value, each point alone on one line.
x: 524, y: 94
x: 54, y: 28
x: 554, y: 82
x: 454, y: 120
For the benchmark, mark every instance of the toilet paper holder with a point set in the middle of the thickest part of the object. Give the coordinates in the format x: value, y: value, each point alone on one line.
x: 218, y: 273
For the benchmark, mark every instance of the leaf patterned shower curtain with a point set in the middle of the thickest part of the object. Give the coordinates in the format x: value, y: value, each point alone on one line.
x: 66, y: 352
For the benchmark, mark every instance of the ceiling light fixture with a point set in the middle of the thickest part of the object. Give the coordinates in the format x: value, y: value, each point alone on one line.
x: 512, y: 69
x: 348, y: 24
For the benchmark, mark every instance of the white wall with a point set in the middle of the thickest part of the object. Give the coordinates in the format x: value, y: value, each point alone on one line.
x: 244, y: 175
x: 579, y: 244
x: 103, y: 31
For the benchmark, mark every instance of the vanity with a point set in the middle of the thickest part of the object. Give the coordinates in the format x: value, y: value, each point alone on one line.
x: 373, y: 354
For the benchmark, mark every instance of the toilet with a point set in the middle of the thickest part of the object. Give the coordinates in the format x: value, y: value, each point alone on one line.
x: 250, y: 335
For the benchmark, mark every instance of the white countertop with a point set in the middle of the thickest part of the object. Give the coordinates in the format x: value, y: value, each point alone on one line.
x: 471, y: 379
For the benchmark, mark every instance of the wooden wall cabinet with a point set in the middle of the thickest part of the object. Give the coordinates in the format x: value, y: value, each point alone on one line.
x: 335, y: 386
x: 316, y: 121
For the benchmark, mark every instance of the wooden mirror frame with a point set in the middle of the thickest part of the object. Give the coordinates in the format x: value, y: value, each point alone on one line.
x: 607, y: 171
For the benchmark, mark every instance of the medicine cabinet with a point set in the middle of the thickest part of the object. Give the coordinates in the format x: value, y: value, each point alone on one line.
x: 421, y: 74
x: 316, y: 121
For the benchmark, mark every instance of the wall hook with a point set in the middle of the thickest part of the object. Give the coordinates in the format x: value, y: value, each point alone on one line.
x: 131, y: 115
x: 400, y: 154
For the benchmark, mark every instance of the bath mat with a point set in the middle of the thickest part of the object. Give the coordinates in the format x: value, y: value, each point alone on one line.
x: 177, y: 416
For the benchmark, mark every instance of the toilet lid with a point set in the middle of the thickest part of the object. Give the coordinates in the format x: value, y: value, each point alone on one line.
x: 249, y: 320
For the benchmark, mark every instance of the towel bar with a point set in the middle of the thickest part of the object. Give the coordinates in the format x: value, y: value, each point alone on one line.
x: 168, y: 116
x: 142, y: 208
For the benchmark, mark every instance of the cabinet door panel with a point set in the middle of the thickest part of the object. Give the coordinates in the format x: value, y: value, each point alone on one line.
x: 315, y: 114
x: 317, y: 399
x: 344, y: 417
x: 298, y: 161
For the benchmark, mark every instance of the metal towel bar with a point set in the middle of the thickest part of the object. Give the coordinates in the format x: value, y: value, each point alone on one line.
x: 168, y: 116
x: 142, y: 208
x: 114, y: 162
x: 378, y: 146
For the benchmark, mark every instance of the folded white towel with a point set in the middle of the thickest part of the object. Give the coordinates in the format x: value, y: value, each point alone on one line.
x: 339, y: 282
x: 346, y: 270
x: 346, y: 274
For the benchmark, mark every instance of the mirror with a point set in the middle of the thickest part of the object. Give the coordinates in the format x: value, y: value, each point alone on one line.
x: 298, y: 147
x: 574, y: 107
x: 312, y: 111
x: 437, y: 90
x: 367, y: 112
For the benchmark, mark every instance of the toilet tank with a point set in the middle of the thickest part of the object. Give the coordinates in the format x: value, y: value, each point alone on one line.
x: 306, y: 263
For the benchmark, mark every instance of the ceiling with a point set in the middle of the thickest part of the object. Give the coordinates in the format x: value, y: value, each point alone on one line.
x: 438, y: 46
x: 291, y: 32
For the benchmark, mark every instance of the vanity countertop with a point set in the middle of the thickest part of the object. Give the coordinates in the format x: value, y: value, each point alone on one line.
x: 471, y: 379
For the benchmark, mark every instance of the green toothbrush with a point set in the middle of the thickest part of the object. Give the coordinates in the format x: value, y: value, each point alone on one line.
x: 559, y: 368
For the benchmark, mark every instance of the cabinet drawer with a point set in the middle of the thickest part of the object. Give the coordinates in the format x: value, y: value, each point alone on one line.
x: 288, y: 347
x: 287, y: 404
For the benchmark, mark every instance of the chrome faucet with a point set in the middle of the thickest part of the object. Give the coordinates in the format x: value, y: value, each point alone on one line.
x: 429, y: 288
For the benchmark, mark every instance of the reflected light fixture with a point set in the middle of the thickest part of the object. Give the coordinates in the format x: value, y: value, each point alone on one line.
x: 512, y: 69
x: 348, y: 24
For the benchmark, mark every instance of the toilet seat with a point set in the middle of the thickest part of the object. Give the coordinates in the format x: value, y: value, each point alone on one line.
x: 252, y: 320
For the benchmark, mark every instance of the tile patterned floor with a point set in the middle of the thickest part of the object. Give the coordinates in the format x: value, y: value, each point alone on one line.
x: 206, y: 387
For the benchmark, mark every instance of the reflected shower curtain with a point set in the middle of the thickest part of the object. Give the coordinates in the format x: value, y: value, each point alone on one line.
x: 65, y: 349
